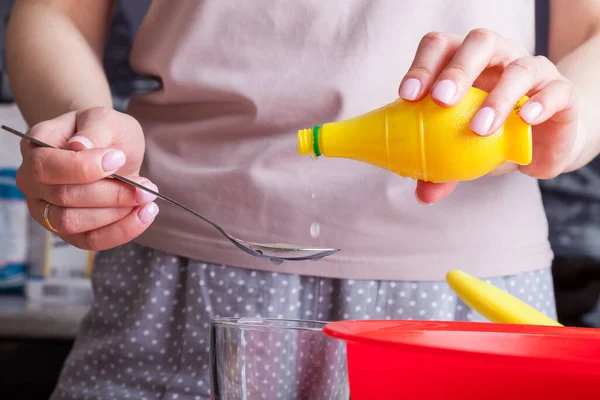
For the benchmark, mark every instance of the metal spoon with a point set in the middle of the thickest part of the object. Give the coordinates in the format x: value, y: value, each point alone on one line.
x: 277, y: 253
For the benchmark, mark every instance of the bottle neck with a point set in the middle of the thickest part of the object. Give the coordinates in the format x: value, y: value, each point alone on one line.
x: 308, y: 141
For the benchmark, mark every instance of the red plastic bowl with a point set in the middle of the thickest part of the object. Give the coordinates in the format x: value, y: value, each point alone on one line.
x: 459, y: 360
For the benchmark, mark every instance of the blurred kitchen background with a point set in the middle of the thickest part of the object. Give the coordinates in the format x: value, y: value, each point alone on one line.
x: 44, y: 283
x: 45, y: 288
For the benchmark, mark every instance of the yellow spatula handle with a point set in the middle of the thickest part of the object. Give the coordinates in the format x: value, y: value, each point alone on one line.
x: 493, y: 303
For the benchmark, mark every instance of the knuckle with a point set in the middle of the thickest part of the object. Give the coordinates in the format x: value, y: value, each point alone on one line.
x: 570, y: 101
x: 435, y: 37
x: 42, y: 129
x: 121, y: 233
x: 86, y: 171
x: 573, y: 99
x: 525, y: 64
x: 37, y: 169
x: 421, y: 69
x: 93, y: 241
x: 69, y: 220
x: 432, y: 41
x: 134, y: 122
x: 95, y: 112
x: 98, y: 240
x: 518, y: 48
x: 103, y: 114
x: 485, y: 36
x: 458, y: 70
x: 62, y: 195
x: 128, y: 119
x: 569, y: 90
x: 542, y: 60
x: 122, y: 195
x: 546, y: 64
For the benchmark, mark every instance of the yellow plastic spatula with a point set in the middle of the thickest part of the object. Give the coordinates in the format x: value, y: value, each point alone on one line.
x: 493, y: 303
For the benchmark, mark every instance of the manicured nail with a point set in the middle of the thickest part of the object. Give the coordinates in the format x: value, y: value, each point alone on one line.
x: 78, y: 143
x: 148, y: 212
x: 482, y: 121
x: 113, y: 160
x: 444, y: 91
x: 410, y: 89
x: 530, y: 111
x: 144, y: 197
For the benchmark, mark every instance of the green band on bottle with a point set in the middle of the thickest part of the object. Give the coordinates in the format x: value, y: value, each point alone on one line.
x: 316, y: 140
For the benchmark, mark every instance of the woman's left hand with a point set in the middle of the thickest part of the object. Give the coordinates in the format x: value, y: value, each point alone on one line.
x: 447, y: 65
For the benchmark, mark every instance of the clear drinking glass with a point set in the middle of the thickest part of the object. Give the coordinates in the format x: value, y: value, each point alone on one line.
x: 261, y: 358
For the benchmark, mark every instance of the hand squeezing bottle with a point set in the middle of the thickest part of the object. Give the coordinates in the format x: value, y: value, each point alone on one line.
x: 422, y: 140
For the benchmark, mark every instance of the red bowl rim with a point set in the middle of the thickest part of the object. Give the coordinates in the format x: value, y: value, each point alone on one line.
x: 562, y: 342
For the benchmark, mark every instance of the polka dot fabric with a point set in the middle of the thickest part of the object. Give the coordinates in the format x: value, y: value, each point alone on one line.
x: 147, y: 333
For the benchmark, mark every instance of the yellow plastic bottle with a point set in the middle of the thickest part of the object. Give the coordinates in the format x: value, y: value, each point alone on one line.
x: 422, y: 140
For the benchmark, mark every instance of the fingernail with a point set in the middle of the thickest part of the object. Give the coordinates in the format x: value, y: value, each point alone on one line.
x: 444, y: 91
x: 78, y: 143
x: 482, y: 121
x: 148, y: 212
x: 410, y: 89
x: 113, y: 160
x: 530, y: 111
x: 144, y: 197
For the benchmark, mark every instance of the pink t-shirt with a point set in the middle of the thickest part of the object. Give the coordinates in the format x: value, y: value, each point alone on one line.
x: 241, y: 77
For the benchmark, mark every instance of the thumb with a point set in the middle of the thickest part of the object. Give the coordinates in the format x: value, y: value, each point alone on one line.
x: 103, y: 127
x: 428, y: 193
x: 90, y: 137
x: 79, y: 142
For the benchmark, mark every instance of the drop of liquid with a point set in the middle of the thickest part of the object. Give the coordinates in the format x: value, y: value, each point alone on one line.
x: 315, y: 230
x: 313, y: 196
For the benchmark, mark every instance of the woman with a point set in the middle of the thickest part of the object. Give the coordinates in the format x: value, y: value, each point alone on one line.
x: 238, y: 79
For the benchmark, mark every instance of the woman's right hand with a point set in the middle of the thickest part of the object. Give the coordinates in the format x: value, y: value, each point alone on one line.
x: 66, y: 184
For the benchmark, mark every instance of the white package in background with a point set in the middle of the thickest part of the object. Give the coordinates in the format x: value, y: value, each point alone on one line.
x: 63, y: 291
x: 64, y: 261
x: 14, y: 215
x: 13, y: 234
x: 62, y: 275
x: 56, y: 271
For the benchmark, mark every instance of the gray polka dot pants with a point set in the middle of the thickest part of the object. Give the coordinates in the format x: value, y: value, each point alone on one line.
x: 146, y: 335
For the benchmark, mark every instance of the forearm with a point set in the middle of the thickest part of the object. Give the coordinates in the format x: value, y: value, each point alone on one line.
x: 53, y: 66
x: 581, y: 67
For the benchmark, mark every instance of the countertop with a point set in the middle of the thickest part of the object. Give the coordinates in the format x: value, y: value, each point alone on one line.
x: 20, y: 319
